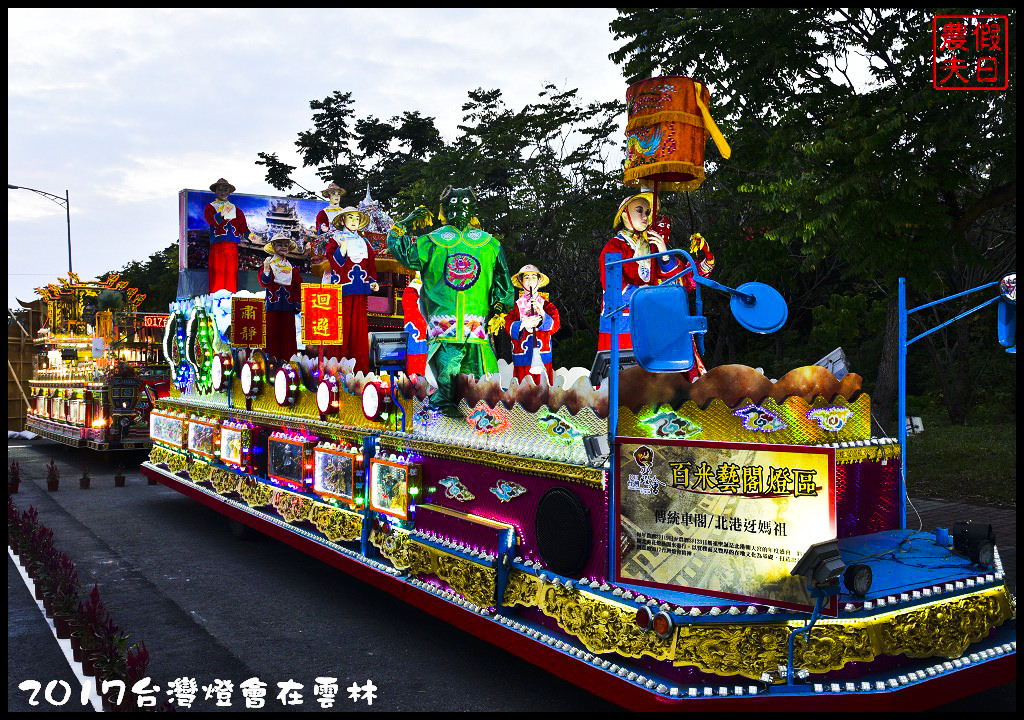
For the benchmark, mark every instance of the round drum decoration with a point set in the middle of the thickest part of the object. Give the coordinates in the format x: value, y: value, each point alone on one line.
x: 376, y: 400
x: 562, y: 526
x: 667, y: 128
x: 220, y: 371
x: 286, y: 386
x: 250, y: 377
x: 327, y: 395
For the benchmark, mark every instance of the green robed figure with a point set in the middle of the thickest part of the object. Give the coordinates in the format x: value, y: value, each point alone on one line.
x: 465, y: 279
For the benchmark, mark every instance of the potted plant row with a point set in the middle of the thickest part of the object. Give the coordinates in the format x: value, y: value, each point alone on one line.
x: 96, y: 640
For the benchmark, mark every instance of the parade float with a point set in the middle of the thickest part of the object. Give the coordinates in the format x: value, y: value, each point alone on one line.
x: 97, y: 365
x: 663, y: 535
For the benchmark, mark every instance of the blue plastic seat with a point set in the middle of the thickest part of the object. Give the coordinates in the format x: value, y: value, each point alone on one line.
x: 663, y: 328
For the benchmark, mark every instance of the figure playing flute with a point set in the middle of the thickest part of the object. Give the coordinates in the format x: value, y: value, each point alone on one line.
x: 531, y: 323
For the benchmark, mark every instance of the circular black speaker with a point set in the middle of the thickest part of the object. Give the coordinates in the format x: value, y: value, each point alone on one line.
x: 563, y: 531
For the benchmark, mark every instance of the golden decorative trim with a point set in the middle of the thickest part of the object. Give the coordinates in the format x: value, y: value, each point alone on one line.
x: 199, y: 471
x: 336, y: 524
x: 877, y: 453
x: 680, y: 116
x: 527, y: 466
x: 638, y: 176
x: 224, y: 482
x: 291, y: 507
x: 160, y: 456
x: 176, y: 463
x: 944, y: 628
x: 602, y: 626
x: 719, y: 422
x: 472, y: 581
x: 255, y: 494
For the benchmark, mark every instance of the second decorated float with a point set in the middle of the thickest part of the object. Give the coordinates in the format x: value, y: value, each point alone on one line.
x: 663, y: 534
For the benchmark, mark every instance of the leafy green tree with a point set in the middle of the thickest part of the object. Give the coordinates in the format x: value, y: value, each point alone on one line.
x: 157, y: 277
x: 855, y: 182
x: 543, y: 174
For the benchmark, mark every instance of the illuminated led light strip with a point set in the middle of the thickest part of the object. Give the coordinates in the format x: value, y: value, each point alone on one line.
x: 351, y: 554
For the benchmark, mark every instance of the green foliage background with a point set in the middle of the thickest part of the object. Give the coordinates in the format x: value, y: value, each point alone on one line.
x: 835, y: 188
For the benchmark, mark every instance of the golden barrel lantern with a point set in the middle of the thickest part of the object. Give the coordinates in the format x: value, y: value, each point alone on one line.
x: 668, y: 125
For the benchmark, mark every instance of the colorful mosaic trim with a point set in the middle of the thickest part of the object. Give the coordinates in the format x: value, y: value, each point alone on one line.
x: 792, y: 422
x: 945, y: 628
x: 555, y: 436
x: 471, y: 580
x: 528, y: 466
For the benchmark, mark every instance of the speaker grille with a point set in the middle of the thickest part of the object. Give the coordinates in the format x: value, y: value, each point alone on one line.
x: 563, y: 531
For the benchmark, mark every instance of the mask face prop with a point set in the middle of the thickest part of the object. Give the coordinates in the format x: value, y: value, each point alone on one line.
x: 458, y: 207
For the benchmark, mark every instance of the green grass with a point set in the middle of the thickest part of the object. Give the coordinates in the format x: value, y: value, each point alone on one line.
x: 974, y: 463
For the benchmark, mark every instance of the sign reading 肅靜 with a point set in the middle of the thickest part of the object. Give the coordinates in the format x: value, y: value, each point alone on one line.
x: 248, y: 323
x: 728, y: 520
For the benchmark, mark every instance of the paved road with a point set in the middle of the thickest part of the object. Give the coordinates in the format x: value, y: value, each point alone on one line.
x: 172, y: 574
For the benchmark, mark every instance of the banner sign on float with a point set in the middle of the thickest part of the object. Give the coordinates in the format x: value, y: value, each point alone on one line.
x: 728, y: 520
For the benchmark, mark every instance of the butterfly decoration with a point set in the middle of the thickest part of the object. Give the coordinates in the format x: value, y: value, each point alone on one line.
x: 487, y: 421
x: 758, y: 419
x: 560, y: 429
x: 455, y: 490
x: 506, y: 491
x: 831, y: 419
x: 670, y: 425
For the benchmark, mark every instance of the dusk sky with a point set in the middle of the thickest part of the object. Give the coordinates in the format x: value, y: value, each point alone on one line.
x: 124, y: 108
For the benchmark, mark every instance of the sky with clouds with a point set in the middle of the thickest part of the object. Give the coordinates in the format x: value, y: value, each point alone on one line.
x: 124, y: 108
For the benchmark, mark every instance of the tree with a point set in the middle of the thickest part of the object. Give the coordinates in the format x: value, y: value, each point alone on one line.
x: 157, y: 277
x: 542, y: 173
x: 873, y: 181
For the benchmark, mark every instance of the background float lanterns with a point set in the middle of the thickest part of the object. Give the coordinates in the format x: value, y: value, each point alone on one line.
x: 286, y: 385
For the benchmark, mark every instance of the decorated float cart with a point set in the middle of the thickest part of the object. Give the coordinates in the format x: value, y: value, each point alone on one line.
x: 98, y: 368
x: 723, y: 541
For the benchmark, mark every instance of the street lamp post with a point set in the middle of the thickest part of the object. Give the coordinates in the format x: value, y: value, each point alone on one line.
x: 62, y: 201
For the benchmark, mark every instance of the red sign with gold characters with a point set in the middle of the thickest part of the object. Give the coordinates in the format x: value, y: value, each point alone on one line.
x: 248, y: 323
x: 154, y: 321
x: 321, y: 314
x: 970, y: 52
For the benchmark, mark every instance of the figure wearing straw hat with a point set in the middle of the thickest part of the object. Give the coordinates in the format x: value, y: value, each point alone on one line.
x: 354, y: 264
x: 283, y: 282
x: 633, y: 239
x: 531, y: 323
x: 324, y: 228
x: 227, y: 229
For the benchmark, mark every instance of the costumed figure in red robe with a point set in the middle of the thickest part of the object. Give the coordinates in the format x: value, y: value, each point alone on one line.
x: 699, y: 248
x: 227, y: 229
x: 324, y: 230
x: 415, y: 327
x: 352, y: 259
x: 634, y: 239
x: 283, y: 282
x: 531, y: 323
